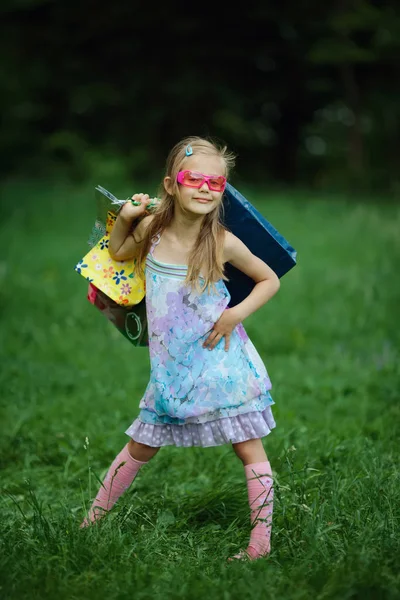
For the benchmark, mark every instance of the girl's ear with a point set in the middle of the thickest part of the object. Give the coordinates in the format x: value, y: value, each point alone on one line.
x: 168, y: 185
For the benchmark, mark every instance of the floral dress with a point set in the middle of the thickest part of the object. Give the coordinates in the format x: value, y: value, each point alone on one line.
x: 197, y: 396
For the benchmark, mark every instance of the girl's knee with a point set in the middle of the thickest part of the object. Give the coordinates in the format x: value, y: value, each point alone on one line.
x: 250, y: 451
x: 141, y: 451
x: 241, y: 449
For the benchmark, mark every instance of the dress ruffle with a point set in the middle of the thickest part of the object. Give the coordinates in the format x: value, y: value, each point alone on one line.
x: 243, y: 427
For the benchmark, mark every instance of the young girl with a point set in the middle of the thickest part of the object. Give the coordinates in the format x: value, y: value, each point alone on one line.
x: 208, y: 385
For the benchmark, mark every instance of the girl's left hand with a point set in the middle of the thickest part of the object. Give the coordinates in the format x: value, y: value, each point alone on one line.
x: 223, y: 327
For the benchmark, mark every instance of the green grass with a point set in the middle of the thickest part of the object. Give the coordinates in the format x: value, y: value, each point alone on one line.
x: 330, y: 341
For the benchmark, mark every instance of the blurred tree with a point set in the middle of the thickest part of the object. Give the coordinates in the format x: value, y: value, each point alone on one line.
x: 83, y: 84
x: 348, y: 38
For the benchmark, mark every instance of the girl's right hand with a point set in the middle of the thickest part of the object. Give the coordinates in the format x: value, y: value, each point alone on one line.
x: 130, y: 212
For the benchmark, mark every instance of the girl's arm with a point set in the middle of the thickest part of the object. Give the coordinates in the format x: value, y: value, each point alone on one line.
x: 267, y: 282
x: 122, y: 242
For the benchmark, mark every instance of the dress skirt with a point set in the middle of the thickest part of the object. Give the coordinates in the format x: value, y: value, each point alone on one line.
x: 243, y: 427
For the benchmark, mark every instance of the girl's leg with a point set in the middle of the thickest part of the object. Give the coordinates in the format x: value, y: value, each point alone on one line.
x: 260, y: 494
x: 120, y: 475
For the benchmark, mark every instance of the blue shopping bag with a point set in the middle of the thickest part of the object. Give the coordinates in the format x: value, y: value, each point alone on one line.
x: 262, y: 239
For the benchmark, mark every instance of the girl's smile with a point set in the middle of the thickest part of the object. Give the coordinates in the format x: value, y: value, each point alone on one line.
x: 203, y: 200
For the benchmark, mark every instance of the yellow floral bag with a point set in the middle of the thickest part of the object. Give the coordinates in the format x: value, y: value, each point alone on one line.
x: 116, y: 279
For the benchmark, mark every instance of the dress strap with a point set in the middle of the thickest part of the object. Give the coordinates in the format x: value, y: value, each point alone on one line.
x: 155, y: 241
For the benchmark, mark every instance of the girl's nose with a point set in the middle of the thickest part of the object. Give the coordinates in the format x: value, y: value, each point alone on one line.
x: 204, y: 187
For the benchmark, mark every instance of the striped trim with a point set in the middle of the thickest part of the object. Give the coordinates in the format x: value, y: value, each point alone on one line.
x: 169, y: 265
x: 173, y: 271
x: 166, y: 269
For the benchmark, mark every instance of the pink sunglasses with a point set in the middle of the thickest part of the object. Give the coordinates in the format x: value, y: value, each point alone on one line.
x: 193, y: 179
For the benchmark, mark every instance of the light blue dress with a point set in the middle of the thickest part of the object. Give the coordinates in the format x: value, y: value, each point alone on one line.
x: 197, y: 397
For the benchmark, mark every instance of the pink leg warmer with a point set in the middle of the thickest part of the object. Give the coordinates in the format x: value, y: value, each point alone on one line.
x: 261, y: 496
x: 120, y: 475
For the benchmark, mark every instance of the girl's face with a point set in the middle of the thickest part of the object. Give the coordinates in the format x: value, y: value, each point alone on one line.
x: 202, y: 200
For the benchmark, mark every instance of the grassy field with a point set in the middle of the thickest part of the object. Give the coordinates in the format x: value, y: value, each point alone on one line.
x: 330, y: 341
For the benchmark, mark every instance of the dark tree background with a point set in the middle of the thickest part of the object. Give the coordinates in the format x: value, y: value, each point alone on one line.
x: 304, y: 93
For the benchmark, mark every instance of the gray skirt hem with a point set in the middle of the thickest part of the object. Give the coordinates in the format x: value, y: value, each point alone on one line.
x: 248, y: 426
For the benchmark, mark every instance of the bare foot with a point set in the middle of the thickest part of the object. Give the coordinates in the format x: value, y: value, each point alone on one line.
x: 93, y: 518
x: 242, y: 555
x: 249, y: 554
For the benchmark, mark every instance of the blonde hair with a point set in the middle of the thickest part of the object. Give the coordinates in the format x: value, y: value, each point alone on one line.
x: 208, y: 248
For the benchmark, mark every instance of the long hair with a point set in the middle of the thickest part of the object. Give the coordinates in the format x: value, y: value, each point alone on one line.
x: 208, y: 248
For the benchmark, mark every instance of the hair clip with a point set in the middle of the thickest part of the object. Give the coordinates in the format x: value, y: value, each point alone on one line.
x: 189, y: 150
